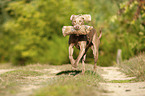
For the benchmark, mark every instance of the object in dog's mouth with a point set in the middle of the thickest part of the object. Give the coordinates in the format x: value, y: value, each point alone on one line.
x: 84, y: 30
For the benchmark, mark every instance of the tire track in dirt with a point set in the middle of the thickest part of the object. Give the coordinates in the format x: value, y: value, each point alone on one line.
x: 120, y: 89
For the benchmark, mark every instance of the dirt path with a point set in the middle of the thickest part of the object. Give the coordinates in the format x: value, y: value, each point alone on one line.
x: 5, y: 70
x: 33, y: 83
x: 109, y: 74
x: 120, y: 89
x: 37, y: 83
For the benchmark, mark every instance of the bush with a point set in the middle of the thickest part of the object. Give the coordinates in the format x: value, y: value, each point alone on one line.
x: 31, y: 30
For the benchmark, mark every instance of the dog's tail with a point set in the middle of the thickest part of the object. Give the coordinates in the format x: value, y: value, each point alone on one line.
x: 100, y: 34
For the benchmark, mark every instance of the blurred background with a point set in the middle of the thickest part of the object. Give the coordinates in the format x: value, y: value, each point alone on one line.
x: 30, y: 30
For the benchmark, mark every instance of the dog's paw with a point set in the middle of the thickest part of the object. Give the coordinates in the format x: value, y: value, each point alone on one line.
x: 74, y: 65
x: 82, y: 73
x: 73, y: 68
x: 73, y: 62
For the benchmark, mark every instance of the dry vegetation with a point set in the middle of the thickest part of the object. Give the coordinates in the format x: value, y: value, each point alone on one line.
x: 135, y: 67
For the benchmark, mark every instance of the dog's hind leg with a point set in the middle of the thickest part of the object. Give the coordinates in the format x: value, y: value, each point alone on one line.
x: 95, y: 52
x: 71, y: 54
x: 95, y: 48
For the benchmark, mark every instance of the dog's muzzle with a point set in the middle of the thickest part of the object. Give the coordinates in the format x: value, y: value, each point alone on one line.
x: 77, y: 27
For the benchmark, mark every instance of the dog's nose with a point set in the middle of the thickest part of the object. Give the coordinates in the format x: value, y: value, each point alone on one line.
x: 76, y: 27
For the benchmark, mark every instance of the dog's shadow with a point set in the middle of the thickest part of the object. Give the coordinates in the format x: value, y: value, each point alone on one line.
x: 74, y: 72
x: 69, y: 72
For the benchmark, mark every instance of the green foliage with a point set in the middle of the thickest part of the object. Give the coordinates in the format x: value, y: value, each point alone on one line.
x: 124, y: 32
x: 30, y: 30
x: 36, y: 29
x: 58, y: 53
x: 130, y: 31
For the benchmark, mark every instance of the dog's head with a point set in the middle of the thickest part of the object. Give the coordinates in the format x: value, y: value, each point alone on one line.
x: 78, y: 20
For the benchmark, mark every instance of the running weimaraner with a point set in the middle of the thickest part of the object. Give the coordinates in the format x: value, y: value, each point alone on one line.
x: 83, y: 42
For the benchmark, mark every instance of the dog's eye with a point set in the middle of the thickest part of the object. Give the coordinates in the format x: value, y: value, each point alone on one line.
x: 74, y: 21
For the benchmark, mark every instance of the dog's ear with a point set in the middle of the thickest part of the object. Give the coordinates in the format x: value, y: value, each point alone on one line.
x: 87, y: 17
x: 72, y: 16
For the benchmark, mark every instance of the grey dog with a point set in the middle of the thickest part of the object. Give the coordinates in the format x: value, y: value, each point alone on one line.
x: 83, y: 42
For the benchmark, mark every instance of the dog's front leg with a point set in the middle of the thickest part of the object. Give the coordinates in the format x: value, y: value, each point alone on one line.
x: 71, y: 54
x: 82, y: 45
x: 83, y: 63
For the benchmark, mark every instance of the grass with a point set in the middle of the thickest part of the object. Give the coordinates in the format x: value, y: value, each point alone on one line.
x: 20, y: 73
x: 10, y: 82
x: 134, y: 67
x: 64, y: 83
x: 122, y: 81
x: 80, y: 85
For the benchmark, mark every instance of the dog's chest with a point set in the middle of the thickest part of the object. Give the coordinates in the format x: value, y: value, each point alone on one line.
x: 75, y: 39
